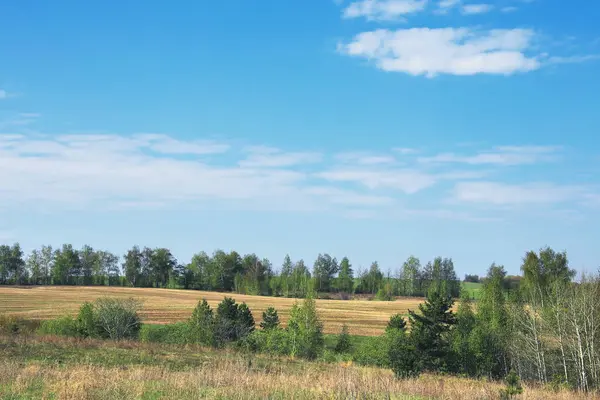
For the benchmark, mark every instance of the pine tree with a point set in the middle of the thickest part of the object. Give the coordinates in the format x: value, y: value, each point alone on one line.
x: 270, y: 319
x: 396, y: 322
x: 430, y: 330
x: 244, y: 322
x: 343, y: 344
x: 202, y: 323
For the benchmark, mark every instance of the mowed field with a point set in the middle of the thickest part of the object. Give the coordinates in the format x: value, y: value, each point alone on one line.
x: 161, y: 306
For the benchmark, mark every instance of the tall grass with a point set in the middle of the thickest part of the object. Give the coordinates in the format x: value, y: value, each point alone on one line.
x: 93, y: 369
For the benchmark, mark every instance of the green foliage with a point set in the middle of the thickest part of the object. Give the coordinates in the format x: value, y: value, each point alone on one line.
x: 202, y: 324
x: 86, y: 321
x: 430, y: 329
x: 232, y: 321
x: 117, y: 319
x: 373, y: 351
x: 396, y: 322
x: 385, y: 293
x: 403, y: 357
x: 306, y: 330
x: 177, y: 333
x: 63, y: 326
x: 270, y: 319
x: 343, y: 344
x: 513, y: 386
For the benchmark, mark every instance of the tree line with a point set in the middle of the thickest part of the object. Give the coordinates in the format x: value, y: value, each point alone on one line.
x: 220, y: 271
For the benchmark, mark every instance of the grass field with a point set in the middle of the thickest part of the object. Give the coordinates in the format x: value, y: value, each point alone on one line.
x: 474, y: 289
x: 61, y: 368
x: 161, y: 306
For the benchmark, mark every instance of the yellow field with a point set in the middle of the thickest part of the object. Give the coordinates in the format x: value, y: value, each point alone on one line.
x: 165, y: 305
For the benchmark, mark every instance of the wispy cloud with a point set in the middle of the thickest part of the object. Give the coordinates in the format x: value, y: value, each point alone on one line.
x: 3, y: 94
x: 456, y: 51
x: 509, y: 9
x: 470, y: 9
x: 383, y: 10
x: 363, y: 158
x: 501, y: 155
x: 501, y: 194
x: 163, y: 172
x: 261, y: 156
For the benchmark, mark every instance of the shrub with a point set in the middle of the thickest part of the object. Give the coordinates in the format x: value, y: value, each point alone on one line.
x: 244, y: 321
x: 513, y: 386
x: 116, y: 318
x: 270, y: 319
x: 402, y: 356
x: 86, y: 323
x: 202, y: 324
x: 396, y: 322
x: 177, y: 333
x: 63, y: 326
x: 373, y: 351
x: 343, y: 344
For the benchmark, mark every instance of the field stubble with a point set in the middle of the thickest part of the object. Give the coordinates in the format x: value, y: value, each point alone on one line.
x: 162, y: 306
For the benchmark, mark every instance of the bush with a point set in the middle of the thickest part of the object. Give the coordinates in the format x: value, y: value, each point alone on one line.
x: 202, y: 324
x: 177, y: 333
x: 513, y: 386
x: 116, y: 318
x: 372, y: 351
x: 63, y: 326
x: 402, y: 355
x: 86, y: 323
x: 343, y: 344
x: 397, y: 323
x: 270, y: 319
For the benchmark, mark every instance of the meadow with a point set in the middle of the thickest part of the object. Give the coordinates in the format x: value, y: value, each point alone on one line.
x: 161, y: 306
x: 48, y: 367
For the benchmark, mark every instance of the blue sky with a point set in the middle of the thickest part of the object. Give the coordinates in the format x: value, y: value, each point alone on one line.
x: 372, y: 129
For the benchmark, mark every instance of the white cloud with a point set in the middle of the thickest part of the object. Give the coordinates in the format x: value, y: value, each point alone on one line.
x: 383, y: 10
x: 501, y: 155
x: 3, y: 94
x: 501, y: 194
x: 456, y: 51
x: 405, y: 150
x: 264, y: 157
x: 362, y: 158
x: 405, y: 180
x: 508, y: 9
x: 470, y: 9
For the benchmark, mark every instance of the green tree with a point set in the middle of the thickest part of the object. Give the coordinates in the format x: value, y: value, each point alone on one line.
x: 47, y: 263
x: 203, y: 323
x: 34, y: 265
x: 343, y: 345
x: 464, y: 358
x: 132, y: 265
x: 306, y: 330
x: 430, y: 329
x: 162, y: 265
x: 244, y: 322
x: 286, y: 276
x: 87, y: 260
x: 270, y: 319
x: 324, y: 269
x: 345, y: 280
x: 409, y: 276
x: 67, y: 266
x: 397, y: 323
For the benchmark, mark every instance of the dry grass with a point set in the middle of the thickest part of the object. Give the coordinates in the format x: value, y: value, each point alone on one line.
x: 222, y: 375
x: 161, y: 306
